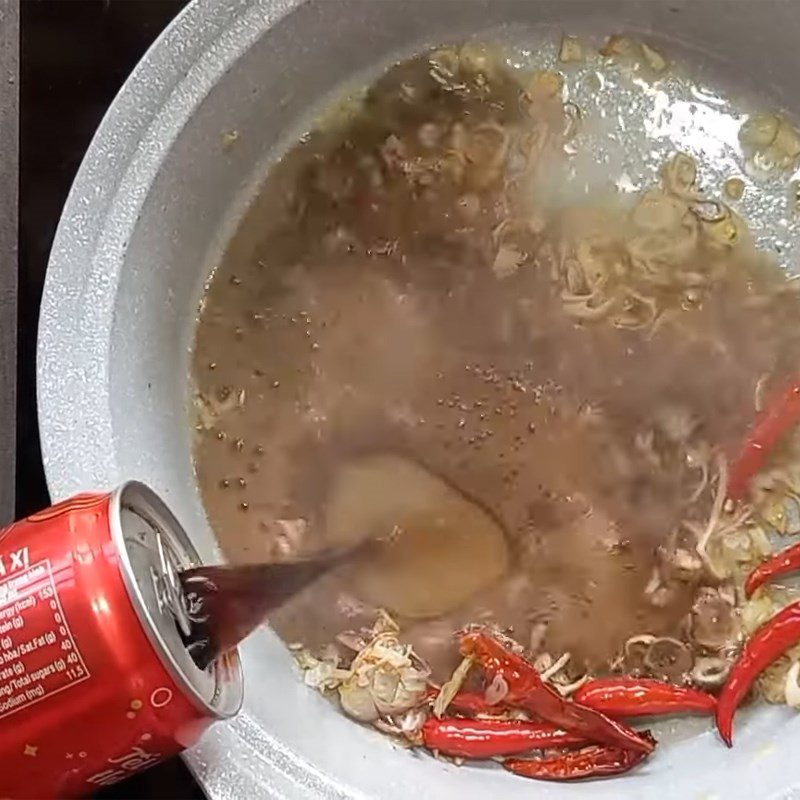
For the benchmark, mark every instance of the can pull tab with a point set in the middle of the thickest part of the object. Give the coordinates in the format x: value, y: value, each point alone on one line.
x: 167, y: 587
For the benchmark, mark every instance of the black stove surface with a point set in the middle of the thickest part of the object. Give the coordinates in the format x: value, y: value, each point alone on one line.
x: 74, y: 56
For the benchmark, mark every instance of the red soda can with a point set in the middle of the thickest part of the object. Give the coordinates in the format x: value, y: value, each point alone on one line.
x: 95, y: 680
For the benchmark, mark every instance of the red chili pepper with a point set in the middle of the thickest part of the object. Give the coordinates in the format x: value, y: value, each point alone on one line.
x: 787, y: 560
x: 470, y: 703
x: 474, y: 703
x: 616, y: 697
x: 641, y: 697
x: 591, y: 762
x: 528, y: 691
x: 765, y: 646
x: 780, y: 415
x: 486, y: 738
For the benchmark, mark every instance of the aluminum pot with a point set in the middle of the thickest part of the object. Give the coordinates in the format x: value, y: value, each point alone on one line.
x: 156, y: 198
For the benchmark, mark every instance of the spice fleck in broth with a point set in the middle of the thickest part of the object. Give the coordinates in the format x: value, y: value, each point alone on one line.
x: 424, y: 333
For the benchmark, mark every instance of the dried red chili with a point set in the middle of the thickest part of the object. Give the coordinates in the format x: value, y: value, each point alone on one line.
x: 486, y: 738
x: 780, y: 415
x: 469, y: 703
x: 639, y: 697
x: 765, y: 646
x: 591, y: 762
x: 786, y: 561
x: 526, y: 690
x: 474, y: 703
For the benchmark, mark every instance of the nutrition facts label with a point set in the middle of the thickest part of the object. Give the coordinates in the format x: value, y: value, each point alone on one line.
x: 38, y: 654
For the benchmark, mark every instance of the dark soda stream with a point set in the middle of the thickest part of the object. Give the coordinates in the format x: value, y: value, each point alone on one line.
x: 225, y: 604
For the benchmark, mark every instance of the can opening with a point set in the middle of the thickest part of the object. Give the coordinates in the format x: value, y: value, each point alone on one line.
x: 167, y: 587
x: 153, y: 548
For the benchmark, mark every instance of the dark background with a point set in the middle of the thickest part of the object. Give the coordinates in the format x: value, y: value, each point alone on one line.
x: 74, y: 56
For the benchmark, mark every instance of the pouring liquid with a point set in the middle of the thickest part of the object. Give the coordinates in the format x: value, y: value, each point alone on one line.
x: 225, y: 604
x: 418, y: 546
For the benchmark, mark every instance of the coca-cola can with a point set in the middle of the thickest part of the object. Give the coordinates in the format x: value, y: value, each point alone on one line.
x: 95, y: 680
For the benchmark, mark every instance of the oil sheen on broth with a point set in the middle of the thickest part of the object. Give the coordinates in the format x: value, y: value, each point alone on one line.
x: 394, y: 346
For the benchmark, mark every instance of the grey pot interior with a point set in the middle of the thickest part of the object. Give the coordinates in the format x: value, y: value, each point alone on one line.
x: 150, y: 211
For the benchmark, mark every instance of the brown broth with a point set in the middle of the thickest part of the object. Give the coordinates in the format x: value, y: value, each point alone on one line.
x: 356, y: 315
